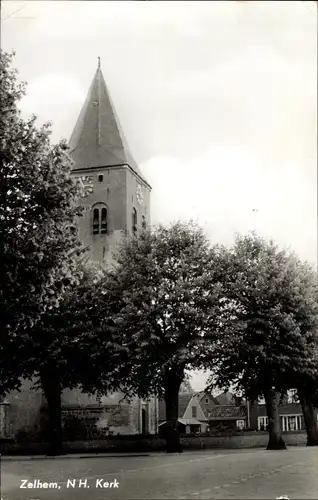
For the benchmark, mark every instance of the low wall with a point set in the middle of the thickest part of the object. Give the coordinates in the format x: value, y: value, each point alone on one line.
x: 245, y: 440
x: 251, y: 440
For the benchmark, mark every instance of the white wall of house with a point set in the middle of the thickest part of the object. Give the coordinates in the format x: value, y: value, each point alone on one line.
x: 204, y: 426
x: 198, y: 413
x: 241, y: 424
x: 288, y: 422
x: 291, y: 422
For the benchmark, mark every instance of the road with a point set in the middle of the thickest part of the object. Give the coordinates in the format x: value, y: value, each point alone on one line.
x: 237, y: 474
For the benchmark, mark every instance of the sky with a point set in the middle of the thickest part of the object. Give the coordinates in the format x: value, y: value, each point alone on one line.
x: 218, y: 101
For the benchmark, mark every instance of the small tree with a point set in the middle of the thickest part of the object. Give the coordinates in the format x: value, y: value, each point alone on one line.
x: 164, y: 293
x: 267, y: 342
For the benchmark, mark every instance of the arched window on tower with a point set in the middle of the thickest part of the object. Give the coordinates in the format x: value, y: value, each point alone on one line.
x: 95, y: 221
x: 100, y: 219
x: 143, y: 222
x: 104, y: 221
x: 134, y: 220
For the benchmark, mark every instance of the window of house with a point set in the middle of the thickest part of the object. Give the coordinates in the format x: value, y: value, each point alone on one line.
x: 194, y: 412
x: 206, y: 401
x: 101, y: 178
x: 134, y: 220
x: 291, y: 422
x: 262, y: 423
x: 143, y: 222
x: 240, y: 424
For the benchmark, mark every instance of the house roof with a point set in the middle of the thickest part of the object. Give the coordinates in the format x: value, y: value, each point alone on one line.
x: 227, y: 412
x: 185, y: 421
x: 286, y: 409
x: 184, y: 400
x: 199, y: 399
x: 206, y: 394
x: 189, y: 421
x: 226, y: 398
x: 98, y: 139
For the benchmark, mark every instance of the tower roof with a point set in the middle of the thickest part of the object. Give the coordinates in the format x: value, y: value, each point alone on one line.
x: 97, y: 139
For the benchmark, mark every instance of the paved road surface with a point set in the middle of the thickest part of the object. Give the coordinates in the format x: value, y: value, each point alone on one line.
x: 237, y: 474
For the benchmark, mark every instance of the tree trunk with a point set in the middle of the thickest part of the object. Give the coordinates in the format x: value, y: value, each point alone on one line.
x: 173, y: 379
x: 52, y: 390
x: 310, y: 418
x: 275, y: 441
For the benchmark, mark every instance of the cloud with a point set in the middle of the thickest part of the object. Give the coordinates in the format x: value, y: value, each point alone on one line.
x: 62, y: 90
x: 91, y: 19
x: 227, y: 190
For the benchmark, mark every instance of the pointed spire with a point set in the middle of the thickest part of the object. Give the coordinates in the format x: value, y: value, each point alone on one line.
x: 97, y: 139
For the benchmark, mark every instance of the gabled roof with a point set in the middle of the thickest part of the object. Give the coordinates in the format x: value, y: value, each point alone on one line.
x: 205, y: 394
x: 226, y: 398
x: 184, y: 400
x: 199, y: 400
x: 227, y: 412
x: 98, y: 139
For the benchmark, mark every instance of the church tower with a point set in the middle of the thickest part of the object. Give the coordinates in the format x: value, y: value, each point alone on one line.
x: 120, y: 198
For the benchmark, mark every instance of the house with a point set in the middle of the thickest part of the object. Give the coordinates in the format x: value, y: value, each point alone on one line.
x: 291, y: 417
x: 183, y: 424
x: 217, y: 411
x: 290, y: 412
x: 255, y: 415
x: 228, y: 417
x: 202, y: 411
x: 199, y: 407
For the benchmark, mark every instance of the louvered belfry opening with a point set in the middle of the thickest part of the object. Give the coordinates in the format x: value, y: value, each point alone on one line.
x: 104, y: 221
x: 100, y: 223
x: 134, y: 220
x: 95, y: 221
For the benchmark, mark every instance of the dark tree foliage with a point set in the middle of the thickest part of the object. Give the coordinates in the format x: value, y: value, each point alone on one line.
x: 73, y: 347
x: 267, y: 337
x: 164, y: 292
x: 39, y: 246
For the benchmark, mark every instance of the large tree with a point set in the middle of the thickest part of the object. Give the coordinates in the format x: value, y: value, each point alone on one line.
x: 307, y: 391
x: 39, y: 246
x: 164, y: 292
x: 72, y: 347
x: 268, y: 342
